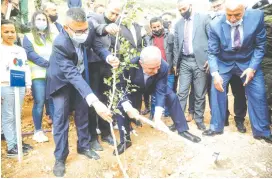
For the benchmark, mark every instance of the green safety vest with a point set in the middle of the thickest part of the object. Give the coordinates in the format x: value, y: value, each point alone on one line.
x: 44, y: 51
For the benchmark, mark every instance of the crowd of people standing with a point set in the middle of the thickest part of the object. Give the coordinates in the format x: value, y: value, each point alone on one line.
x: 65, y: 65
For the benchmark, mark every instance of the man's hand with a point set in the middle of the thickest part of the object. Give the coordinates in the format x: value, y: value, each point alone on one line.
x: 218, y: 82
x: 102, y: 110
x: 112, y: 28
x: 28, y: 91
x: 133, y: 113
x: 206, y: 67
x: 249, y: 72
x: 159, y: 124
x: 113, y: 61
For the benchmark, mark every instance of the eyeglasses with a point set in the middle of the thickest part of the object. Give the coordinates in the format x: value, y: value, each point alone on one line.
x: 79, y: 32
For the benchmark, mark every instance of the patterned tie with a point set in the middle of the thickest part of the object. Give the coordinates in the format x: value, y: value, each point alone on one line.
x: 186, y: 38
x: 237, y: 37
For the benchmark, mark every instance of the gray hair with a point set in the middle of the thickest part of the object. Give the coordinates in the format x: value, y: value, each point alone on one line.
x: 47, y: 5
x: 233, y: 4
x: 150, y: 53
x: 76, y: 14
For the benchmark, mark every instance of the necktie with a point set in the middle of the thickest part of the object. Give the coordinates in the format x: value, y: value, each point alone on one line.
x: 186, y: 38
x: 237, y: 37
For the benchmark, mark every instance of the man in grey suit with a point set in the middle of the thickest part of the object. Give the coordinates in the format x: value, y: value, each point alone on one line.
x: 190, y: 51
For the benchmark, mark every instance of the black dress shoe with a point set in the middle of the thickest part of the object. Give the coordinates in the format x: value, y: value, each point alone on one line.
x: 241, y: 127
x: 172, y: 128
x: 211, y: 133
x: 108, y: 139
x: 267, y: 139
x: 88, y: 153
x: 95, y: 145
x: 201, y: 126
x: 59, y: 168
x: 189, y: 136
x: 122, y: 147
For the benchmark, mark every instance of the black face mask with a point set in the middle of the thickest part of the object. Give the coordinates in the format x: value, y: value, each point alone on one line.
x: 14, y: 12
x: 166, y: 24
x: 186, y: 15
x: 158, y: 32
x: 53, y: 18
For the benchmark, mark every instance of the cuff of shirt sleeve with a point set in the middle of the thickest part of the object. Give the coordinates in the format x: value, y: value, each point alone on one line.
x: 91, y: 98
x: 158, y: 111
x: 126, y: 106
x: 214, y: 73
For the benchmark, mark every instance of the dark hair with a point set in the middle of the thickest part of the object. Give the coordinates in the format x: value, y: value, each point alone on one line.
x: 35, y: 30
x: 155, y: 19
x: 4, y: 22
x: 77, y: 14
x: 98, y: 6
x: 167, y: 13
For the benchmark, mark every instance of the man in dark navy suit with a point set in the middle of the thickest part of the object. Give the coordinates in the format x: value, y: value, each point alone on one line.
x: 68, y: 79
x: 237, y: 47
x: 150, y: 76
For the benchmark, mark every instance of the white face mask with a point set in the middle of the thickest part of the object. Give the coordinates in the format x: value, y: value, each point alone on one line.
x: 80, y: 38
x: 41, y: 25
x: 235, y: 24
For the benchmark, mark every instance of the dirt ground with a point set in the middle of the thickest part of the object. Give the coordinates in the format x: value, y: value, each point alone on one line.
x: 153, y: 154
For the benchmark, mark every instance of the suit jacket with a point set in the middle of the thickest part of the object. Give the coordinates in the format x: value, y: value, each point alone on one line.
x: 126, y: 33
x: 99, y: 23
x: 58, y: 25
x: 156, y: 84
x: 62, y: 70
x: 200, y: 39
x: 222, y: 57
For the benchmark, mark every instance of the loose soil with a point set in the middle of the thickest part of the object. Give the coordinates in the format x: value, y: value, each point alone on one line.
x: 153, y: 154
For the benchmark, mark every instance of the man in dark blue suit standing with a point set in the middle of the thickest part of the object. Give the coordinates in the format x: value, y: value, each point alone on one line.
x: 68, y: 80
x: 150, y: 76
x: 236, y: 47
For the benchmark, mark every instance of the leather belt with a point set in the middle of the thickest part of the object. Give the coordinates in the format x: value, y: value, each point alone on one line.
x: 189, y: 56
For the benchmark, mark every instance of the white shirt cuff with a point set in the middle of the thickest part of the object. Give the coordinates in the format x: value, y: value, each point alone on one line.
x: 107, y: 59
x: 158, y: 112
x: 126, y: 106
x: 91, y: 98
x: 214, y: 73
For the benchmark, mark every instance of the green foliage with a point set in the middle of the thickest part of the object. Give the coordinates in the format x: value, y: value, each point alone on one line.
x: 126, y: 53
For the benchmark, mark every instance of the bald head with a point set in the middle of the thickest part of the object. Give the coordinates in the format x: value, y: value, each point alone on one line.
x: 150, y: 60
x: 113, y: 10
x: 50, y: 9
x: 48, y: 5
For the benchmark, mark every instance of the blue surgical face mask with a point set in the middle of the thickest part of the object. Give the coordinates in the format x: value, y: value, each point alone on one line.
x: 41, y: 25
x: 80, y: 39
